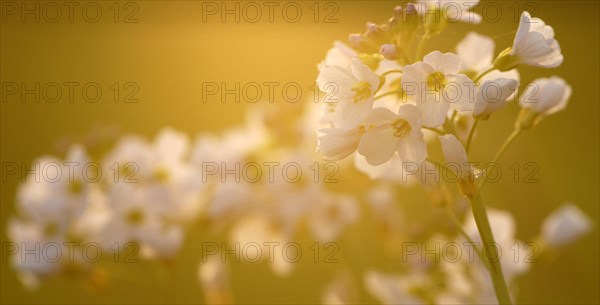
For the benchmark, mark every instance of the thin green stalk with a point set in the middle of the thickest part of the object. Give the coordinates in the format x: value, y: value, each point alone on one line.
x: 471, y: 133
x: 462, y: 232
x: 511, y: 138
x: 390, y: 72
x: 388, y: 93
x: 483, y: 74
x: 485, y: 231
x: 420, y: 46
x: 440, y: 132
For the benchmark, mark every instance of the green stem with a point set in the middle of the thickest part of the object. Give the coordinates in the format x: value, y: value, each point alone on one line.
x: 462, y: 232
x: 420, y: 46
x: 485, y: 231
x: 483, y: 74
x: 440, y: 132
x: 471, y: 133
x: 390, y: 72
x: 388, y: 93
x: 511, y: 138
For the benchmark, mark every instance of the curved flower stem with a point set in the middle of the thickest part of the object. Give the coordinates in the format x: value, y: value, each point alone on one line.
x: 440, y: 132
x: 388, y: 93
x: 484, y: 73
x: 511, y: 138
x: 391, y: 71
x: 462, y: 232
x: 485, y: 231
x: 471, y: 133
x: 420, y: 46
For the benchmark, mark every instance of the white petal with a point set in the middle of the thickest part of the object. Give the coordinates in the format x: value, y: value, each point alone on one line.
x: 378, y: 144
x: 433, y: 110
x: 447, y: 63
x: 565, y: 225
x: 493, y: 94
x: 336, y: 143
x: 460, y: 92
x: 412, y: 149
x: 363, y: 73
x: 476, y: 52
x: 455, y: 154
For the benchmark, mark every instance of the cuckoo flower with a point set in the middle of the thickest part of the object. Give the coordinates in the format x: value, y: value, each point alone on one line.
x: 438, y: 86
x: 389, y: 132
x: 534, y: 45
x: 353, y: 90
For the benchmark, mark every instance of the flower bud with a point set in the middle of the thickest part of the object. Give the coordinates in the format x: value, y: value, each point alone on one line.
x: 389, y: 51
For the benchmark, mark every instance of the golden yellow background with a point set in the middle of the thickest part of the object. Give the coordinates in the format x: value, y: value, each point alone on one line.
x: 170, y: 52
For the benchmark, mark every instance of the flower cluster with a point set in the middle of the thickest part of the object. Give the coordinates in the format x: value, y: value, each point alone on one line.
x: 388, y: 96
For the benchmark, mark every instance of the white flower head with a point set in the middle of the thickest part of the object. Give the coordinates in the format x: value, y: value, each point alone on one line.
x: 438, y: 86
x: 388, y: 133
x: 476, y: 52
x: 492, y: 95
x: 534, y: 43
x: 565, y: 225
x: 353, y: 90
x: 457, y: 161
x: 337, y: 143
x: 546, y: 96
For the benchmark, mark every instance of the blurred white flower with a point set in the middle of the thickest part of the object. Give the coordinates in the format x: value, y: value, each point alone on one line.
x: 438, y: 87
x: 340, y: 55
x: 388, y: 133
x: 393, y: 289
x: 476, y: 52
x: 545, y: 96
x: 214, y: 279
x: 337, y: 143
x: 492, y: 95
x: 331, y: 214
x: 353, y: 89
x: 565, y: 225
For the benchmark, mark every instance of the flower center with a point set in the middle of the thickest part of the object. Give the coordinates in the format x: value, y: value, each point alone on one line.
x: 401, y: 127
x: 437, y: 81
x: 75, y: 187
x: 161, y: 175
x: 135, y: 217
x: 362, y: 91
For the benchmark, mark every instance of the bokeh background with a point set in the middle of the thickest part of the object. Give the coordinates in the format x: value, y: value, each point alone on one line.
x: 170, y: 51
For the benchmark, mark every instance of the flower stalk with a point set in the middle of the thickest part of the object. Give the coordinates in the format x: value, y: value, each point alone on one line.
x: 485, y: 231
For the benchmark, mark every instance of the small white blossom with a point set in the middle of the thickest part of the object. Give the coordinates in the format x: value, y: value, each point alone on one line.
x: 546, y: 96
x: 535, y: 45
x: 438, y: 86
x: 565, y: 225
x: 388, y: 133
x: 353, y: 90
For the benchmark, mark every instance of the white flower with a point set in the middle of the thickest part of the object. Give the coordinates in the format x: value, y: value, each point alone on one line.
x: 388, y: 133
x: 337, y: 143
x: 492, y: 95
x: 340, y: 55
x: 353, y: 90
x: 438, y: 86
x: 456, y: 156
x: 535, y: 45
x: 454, y: 10
x: 476, y: 52
x: 565, y: 225
x: 138, y: 217
x: 331, y: 214
x: 545, y: 96
x: 393, y: 289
